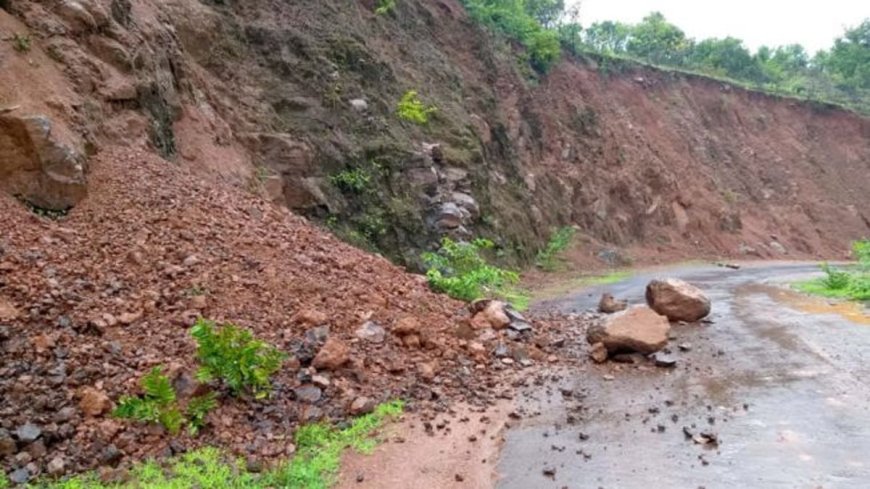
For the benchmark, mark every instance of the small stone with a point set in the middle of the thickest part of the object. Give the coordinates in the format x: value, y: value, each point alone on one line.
x: 332, y: 356
x: 308, y: 393
x: 321, y: 381
x: 372, y: 332
x: 359, y: 105
x: 7, y: 444
x: 310, y: 317
x: 28, y: 433
x: 458, y: 477
x: 684, y: 347
x: 56, y: 467
x: 19, y: 476
x: 664, y: 361
x: 362, y: 405
x: 598, y: 353
x: 93, y: 402
x: 608, y: 304
x: 406, y: 326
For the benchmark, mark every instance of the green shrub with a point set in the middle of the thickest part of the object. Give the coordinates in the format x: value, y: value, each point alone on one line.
x: 385, y: 6
x: 21, y: 42
x: 157, y: 405
x: 355, y: 180
x: 834, y: 279
x: 558, y: 243
x: 233, y: 355
x: 459, y: 270
x: 411, y: 109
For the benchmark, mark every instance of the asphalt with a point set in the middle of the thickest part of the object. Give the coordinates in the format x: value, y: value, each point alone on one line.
x: 782, y: 382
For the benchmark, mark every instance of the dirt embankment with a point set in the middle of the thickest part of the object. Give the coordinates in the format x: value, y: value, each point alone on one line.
x: 281, y: 97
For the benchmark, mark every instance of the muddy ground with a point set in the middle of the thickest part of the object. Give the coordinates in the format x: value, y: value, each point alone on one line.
x: 773, y: 393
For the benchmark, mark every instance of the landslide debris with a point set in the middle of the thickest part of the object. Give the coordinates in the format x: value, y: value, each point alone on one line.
x: 94, y: 301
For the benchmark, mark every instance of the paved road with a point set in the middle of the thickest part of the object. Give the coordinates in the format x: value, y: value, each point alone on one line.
x: 786, y: 391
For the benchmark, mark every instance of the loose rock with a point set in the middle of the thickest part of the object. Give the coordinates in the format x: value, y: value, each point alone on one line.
x: 678, y: 300
x: 638, y: 329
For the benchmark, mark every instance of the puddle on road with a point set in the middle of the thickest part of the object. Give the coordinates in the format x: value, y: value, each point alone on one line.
x: 851, y: 311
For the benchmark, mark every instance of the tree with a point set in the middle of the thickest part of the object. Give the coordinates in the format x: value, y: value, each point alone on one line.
x: 658, y: 41
x: 849, y: 59
x: 546, y: 12
x: 725, y: 57
x: 607, y: 37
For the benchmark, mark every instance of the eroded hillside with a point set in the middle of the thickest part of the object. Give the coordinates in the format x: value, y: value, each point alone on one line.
x: 289, y: 97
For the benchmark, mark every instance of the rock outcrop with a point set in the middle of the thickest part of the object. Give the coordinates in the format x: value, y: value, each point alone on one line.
x: 36, y: 166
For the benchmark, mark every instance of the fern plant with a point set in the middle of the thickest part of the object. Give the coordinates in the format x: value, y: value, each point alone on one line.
x: 197, y: 410
x: 232, y: 355
x: 157, y: 404
x: 412, y: 109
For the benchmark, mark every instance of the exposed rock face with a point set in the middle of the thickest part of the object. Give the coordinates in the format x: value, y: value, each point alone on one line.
x: 678, y: 300
x: 638, y: 329
x: 36, y: 166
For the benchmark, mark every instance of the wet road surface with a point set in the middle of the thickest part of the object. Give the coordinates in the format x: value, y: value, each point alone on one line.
x: 786, y: 391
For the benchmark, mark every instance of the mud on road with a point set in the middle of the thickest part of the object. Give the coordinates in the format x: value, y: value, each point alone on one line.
x: 773, y: 394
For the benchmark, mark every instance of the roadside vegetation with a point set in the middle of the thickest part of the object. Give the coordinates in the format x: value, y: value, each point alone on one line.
x: 460, y: 270
x: 548, y: 258
x: 315, y: 465
x: 851, y: 283
x: 546, y: 29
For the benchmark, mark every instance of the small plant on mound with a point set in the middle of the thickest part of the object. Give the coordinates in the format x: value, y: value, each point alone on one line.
x: 412, y: 109
x: 157, y: 405
x: 558, y: 243
x: 232, y: 355
x: 459, y: 270
x: 849, y: 283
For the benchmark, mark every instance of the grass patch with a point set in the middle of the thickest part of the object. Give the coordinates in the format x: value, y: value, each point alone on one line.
x: 320, y: 447
x: 565, y: 287
x: 315, y: 466
x: 852, y: 283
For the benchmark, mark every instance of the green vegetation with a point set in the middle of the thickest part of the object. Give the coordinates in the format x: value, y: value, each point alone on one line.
x: 853, y: 284
x: 558, y: 243
x: 319, y: 448
x: 157, y: 405
x: 385, y: 7
x: 233, y: 355
x: 459, y: 270
x: 840, y: 75
x: 21, y: 42
x: 355, y: 180
x: 4, y: 482
x: 315, y: 465
x: 197, y: 409
x: 528, y: 21
x: 412, y: 109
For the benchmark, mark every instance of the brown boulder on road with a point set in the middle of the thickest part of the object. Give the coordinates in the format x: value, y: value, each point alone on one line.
x: 678, y: 300
x: 638, y: 329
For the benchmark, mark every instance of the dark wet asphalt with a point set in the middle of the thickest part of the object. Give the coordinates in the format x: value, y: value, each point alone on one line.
x: 787, y: 393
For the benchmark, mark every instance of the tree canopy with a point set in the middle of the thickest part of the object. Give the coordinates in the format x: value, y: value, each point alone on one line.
x: 545, y: 29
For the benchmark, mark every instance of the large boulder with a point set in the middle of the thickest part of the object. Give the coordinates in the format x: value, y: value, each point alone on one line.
x: 678, y: 300
x: 36, y: 166
x: 637, y: 329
